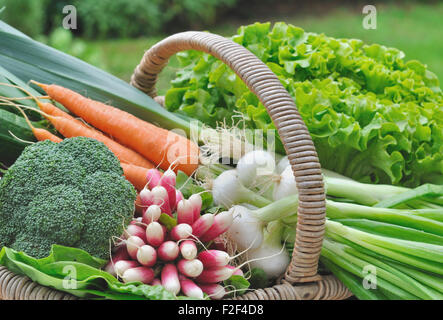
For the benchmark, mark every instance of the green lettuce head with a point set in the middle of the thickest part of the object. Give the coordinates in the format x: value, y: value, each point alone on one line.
x: 373, y: 115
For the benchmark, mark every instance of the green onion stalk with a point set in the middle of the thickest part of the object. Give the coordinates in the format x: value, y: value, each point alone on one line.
x: 405, y: 250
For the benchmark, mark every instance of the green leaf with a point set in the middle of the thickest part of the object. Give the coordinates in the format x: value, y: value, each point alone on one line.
x: 425, y: 190
x: 237, y: 283
x: 168, y: 221
x: 258, y: 278
x: 392, y: 230
x: 11, y: 147
x: 78, y: 273
x: 353, y: 283
x: 215, y: 209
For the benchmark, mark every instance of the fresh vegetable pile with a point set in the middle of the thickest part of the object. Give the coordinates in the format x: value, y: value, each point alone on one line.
x: 189, y: 228
x: 373, y: 116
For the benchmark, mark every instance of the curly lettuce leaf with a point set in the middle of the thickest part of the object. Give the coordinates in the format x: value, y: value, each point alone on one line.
x: 373, y: 116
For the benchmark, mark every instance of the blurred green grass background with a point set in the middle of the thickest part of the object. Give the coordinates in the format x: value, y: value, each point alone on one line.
x: 415, y: 29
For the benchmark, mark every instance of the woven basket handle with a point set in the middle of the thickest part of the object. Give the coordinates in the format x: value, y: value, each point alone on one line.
x: 291, y: 128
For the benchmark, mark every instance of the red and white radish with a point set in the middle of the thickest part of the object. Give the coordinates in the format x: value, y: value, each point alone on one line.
x: 132, y: 245
x: 236, y: 271
x: 155, y: 234
x: 146, y: 197
x: 160, y: 198
x: 214, y: 290
x: 190, y: 268
x: 169, y: 278
x: 153, y: 177
x: 178, y: 197
x: 151, y: 214
x: 190, y: 289
x: 141, y: 274
x: 110, y: 268
x: 120, y: 253
x: 135, y: 230
x: 150, y: 247
x: 196, y: 202
x: 214, y: 258
x: 181, y: 231
x: 167, y: 181
x: 202, y: 224
x: 219, y: 244
x: 122, y: 265
x: 185, y: 213
x: 138, y: 222
x: 222, y: 222
x: 168, y: 251
x: 214, y: 275
x: 188, y: 249
x: 147, y: 255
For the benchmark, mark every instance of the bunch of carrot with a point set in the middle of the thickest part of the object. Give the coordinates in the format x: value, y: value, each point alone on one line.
x: 173, y: 254
x: 139, y: 145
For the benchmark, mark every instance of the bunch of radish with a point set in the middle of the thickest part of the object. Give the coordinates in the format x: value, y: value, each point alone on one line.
x: 176, y: 257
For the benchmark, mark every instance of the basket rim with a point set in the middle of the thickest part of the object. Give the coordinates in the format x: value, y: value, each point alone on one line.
x: 20, y: 287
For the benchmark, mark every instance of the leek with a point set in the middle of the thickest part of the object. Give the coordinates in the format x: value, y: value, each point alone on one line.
x: 31, y: 60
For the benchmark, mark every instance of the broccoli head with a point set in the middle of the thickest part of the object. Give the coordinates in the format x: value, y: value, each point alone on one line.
x: 71, y: 193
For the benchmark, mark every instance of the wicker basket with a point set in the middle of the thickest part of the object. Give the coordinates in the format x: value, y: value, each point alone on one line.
x: 301, y: 280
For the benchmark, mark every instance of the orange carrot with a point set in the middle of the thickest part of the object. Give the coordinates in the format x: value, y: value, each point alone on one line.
x: 39, y: 133
x: 136, y: 175
x: 42, y: 134
x: 159, y: 145
x: 70, y: 127
x: 123, y: 153
x: 46, y: 107
x: 49, y: 108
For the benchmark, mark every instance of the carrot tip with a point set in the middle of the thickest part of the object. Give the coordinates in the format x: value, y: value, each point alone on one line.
x: 39, y: 104
x: 41, y: 85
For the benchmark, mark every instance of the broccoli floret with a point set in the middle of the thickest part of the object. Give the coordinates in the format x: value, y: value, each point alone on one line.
x: 40, y: 166
x: 71, y: 193
x: 91, y: 156
x: 105, y: 192
x: 58, y: 214
x: 33, y: 245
